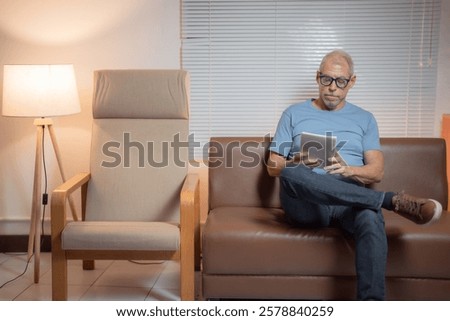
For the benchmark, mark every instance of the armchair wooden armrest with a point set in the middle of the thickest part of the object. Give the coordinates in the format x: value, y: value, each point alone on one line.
x: 190, y: 234
x: 58, y: 222
x: 59, y: 200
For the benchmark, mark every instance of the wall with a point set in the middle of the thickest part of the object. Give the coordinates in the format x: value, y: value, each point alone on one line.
x: 91, y: 34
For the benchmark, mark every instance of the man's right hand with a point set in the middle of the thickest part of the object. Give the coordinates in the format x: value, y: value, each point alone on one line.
x: 305, y: 159
x: 276, y: 162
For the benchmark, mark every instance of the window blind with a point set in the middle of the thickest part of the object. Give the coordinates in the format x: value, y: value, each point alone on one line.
x: 249, y: 60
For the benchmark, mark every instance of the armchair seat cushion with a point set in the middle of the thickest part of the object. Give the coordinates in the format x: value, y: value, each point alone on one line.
x: 93, y: 235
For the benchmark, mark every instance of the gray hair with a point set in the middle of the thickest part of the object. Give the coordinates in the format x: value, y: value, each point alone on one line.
x: 338, y: 53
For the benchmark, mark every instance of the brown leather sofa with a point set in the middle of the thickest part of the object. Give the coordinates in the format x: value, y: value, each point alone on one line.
x: 250, y: 252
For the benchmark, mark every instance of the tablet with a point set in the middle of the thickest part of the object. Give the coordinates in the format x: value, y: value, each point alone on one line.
x: 321, y: 147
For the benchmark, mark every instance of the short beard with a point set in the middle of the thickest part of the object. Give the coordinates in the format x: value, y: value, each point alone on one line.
x: 331, y: 105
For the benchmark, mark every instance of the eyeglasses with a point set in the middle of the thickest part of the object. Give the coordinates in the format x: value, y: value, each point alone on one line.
x: 327, y: 81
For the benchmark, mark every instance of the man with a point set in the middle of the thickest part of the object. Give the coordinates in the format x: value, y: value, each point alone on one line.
x: 330, y: 192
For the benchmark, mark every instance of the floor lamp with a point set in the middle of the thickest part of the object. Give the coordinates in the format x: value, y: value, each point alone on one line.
x: 40, y: 91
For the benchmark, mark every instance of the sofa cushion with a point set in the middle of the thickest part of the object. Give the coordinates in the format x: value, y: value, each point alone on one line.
x: 258, y: 241
x: 417, y: 250
x: 249, y: 240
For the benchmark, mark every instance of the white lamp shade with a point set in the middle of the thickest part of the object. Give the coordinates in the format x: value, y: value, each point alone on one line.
x: 39, y: 91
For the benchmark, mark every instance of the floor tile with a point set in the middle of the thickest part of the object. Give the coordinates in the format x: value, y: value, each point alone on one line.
x: 161, y: 294
x: 109, y: 281
x: 169, y: 277
x: 129, y: 274
x: 109, y: 293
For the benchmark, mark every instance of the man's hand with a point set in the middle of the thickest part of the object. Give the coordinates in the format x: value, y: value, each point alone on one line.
x: 338, y: 166
x: 371, y: 172
x: 305, y: 159
x: 277, y: 162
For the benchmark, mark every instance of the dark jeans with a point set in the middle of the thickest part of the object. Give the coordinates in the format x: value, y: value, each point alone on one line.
x: 315, y: 200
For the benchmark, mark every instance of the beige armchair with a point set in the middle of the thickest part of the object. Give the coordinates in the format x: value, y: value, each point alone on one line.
x: 138, y: 201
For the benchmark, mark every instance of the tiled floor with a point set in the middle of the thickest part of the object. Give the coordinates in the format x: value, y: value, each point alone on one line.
x: 111, y: 280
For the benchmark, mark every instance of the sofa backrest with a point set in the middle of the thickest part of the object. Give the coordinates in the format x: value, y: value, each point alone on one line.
x: 238, y: 175
x: 415, y: 165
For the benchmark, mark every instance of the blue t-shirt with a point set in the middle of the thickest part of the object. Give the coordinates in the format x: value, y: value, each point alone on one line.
x: 356, y: 130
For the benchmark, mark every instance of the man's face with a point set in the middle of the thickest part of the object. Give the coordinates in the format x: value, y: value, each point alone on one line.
x: 332, y: 97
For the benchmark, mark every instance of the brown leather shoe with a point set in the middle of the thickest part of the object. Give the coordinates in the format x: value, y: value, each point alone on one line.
x: 419, y: 210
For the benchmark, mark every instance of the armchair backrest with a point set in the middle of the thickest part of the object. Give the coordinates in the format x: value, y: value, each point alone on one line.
x: 139, y: 156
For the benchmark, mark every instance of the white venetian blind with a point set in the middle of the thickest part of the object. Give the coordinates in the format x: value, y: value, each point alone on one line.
x: 249, y: 60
